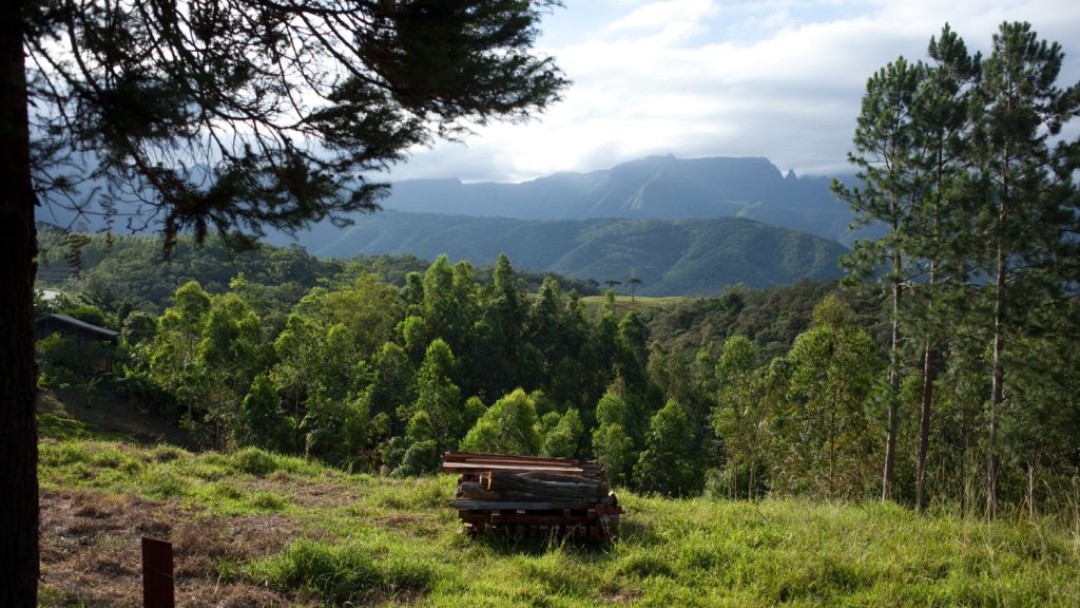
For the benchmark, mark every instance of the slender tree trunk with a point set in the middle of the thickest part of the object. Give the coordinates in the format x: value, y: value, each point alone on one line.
x: 927, y: 401
x: 924, y: 424
x: 832, y: 448
x: 997, y: 378
x: 18, y: 423
x: 894, y: 383
x: 1032, y: 466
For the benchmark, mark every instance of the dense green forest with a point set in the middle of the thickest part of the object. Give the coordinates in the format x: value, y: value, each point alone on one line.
x: 755, y: 392
x: 942, y: 372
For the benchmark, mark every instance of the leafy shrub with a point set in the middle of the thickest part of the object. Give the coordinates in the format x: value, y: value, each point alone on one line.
x: 255, y: 462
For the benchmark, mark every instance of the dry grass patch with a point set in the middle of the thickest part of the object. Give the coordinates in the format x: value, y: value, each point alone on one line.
x: 91, y: 552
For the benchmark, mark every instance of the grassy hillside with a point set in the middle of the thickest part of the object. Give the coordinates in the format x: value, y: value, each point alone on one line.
x: 256, y: 529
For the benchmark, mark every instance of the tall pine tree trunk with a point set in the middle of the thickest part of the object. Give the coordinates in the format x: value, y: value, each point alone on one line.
x: 927, y: 400
x: 894, y: 372
x: 997, y: 369
x: 18, y: 424
x: 997, y: 379
x: 894, y: 381
x: 924, y: 424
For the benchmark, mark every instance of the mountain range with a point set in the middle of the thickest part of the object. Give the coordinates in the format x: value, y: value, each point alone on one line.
x: 657, y: 187
x: 670, y: 257
x: 681, y: 226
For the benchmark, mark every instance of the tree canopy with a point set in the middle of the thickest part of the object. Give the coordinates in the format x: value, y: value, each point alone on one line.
x: 223, y: 116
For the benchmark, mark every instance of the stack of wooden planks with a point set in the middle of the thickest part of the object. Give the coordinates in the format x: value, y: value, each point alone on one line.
x: 532, y: 495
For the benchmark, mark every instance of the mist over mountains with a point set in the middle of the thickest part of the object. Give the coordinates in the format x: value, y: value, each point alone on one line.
x: 682, y: 226
x: 657, y: 187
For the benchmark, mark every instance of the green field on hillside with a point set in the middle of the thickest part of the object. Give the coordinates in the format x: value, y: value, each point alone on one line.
x: 256, y: 529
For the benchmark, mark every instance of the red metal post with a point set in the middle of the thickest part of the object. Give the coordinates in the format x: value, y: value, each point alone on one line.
x: 157, y: 565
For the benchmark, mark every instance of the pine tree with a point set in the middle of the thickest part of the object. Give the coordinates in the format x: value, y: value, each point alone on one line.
x: 885, y: 150
x: 222, y: 117
x: 941, y: 113
x: 1023, y: 200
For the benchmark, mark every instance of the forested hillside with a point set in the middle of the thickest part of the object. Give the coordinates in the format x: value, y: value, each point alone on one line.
x: 126, y: 272
x: 944, y: 370
x: 681, y: 257
x: 752, y: 393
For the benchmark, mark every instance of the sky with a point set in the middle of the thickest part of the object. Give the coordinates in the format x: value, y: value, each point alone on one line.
x: 781, y: 79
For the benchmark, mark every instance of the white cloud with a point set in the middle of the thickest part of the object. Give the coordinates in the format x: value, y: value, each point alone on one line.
x: 781, y: 79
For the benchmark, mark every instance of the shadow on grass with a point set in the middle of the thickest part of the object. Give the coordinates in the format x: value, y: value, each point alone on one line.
x: 508, y: 541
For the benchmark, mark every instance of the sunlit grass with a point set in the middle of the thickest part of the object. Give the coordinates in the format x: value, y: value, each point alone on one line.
x: 370, y: 540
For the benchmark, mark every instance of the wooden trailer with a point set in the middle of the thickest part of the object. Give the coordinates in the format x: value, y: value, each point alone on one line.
x: 532, y: 495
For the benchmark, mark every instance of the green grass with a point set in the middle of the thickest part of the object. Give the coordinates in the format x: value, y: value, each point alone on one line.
x: 375, y: 541
x: 60, y: 427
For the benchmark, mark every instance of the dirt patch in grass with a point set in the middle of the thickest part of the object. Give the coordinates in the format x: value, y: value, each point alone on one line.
x: 305, y: 493
x: 90, y: 551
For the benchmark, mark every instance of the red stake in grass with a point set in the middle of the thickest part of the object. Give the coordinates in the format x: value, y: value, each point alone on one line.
x: 157, y: 566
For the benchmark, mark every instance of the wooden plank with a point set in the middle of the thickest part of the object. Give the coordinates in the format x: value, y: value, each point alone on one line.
x: 526, y: 463
x: 513, y: 496
x: 469, y: 467
x: 482, y: 457
x: 503, y: 505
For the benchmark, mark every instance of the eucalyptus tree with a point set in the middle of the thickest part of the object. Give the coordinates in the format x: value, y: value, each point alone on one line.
x: 1024, y: 203
x: 564, y: 438
x: 231, y: 353
x: 510, y: 426
x: 828, y: 435
x: 504, y: 314
x: 175, y: 348
x: 612, y: 444
x: 438, y: 397
x: 226, y: 116
x: 666, y: 466
x: 738, y: 416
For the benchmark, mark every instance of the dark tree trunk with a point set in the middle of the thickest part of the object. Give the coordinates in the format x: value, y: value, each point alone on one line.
x: 18, y: 424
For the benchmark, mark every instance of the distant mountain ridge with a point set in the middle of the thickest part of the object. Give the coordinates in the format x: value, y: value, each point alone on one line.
x: 679, y: 225
x: 671, y: 257
x: 657, y: 187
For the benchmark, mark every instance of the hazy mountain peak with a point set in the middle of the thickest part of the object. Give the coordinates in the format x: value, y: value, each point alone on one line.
x: 659, y: 187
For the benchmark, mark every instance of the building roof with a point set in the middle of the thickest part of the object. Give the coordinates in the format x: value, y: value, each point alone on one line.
x: 83, y: 325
